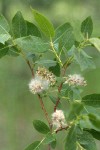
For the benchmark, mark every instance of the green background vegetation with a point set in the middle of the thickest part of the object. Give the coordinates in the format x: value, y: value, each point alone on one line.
x: 18, y: 107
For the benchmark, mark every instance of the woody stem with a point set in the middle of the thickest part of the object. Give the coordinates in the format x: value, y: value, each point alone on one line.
x: 44, y: 110
x: 60, y: 86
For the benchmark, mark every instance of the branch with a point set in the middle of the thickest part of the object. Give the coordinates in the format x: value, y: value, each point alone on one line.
x: 44, y: 110
x: 32, y: 71
x: 41, y: 102
x: 62, y: 128
x: 60, y: 86
x: 58, y: 100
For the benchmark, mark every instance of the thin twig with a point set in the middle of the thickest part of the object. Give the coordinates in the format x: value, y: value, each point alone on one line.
x: 41, y: 102
x: 60, y: 87
x: 62, y: 128
x: 58, y: 100
x: 44, y: 110
x: 30, y: 67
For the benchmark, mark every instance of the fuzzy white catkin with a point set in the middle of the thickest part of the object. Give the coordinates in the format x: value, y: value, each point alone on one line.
x: 58, y: 119
x: 75, y: 80
x: 38, y: 85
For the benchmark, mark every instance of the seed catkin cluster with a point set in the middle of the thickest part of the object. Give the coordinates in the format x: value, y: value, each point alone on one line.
x: 42, y: 80
x: 75, y: 80
x: 58, y: 119
x: 46, y: 74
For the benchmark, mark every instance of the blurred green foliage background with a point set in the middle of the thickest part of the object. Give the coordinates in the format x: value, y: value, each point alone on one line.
x: 18, y: 107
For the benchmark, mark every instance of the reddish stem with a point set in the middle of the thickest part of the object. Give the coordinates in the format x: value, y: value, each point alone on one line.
x: 62, y: 128
x: 60, y: 87
x: 32, y: 71
x: 44, y: 110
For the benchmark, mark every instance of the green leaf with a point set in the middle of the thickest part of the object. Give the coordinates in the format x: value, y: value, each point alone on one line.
x: 4, y: 37
x: 86, y: 141
x: 44, y: 24
x: 3, y: 50
x: 13, y: 51
x: 92, y: 100
x: 4, y: 26
x: 96, y: 43
x: 95, y: 134
x: 75, y: 110
x: 49, y: 138
x: 85, y: 123
x: 33, y: 44
x: 83, y: 59
x: 87, y: 27
x: 32, y: 29
x: 55, y: 69
x: 53, y: 144
x: 46, y: 63
x: 95, y: 120
x: 41, y: 126
x: 4, y: 30
x: 34, y: 146
x: 71, y: 139
x: 61, y: 30
x: 54, y: 100
x: 33, y: 57
x: 64, y: 36
x: 19, y: 27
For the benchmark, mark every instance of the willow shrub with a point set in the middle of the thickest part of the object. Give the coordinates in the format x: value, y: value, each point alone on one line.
x: 49, y: 53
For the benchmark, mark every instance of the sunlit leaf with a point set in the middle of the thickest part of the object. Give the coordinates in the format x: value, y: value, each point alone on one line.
x: 44, y: 24
x: 64, y: 36
x: 32, y: 44
x: 95, y: 42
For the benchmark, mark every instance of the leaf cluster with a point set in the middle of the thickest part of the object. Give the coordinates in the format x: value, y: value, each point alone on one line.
x: 56, y: 49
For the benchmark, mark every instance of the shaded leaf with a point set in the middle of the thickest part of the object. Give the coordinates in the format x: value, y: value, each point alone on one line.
x: 32, y: 29
x: 53, y: 144
x: 34, y: 146
x: 41, y: 126
x: 46, y: 63
x: 71, y: 139
x: 92, y: 100
x: 95, y: 134
x: 3, y: 50
x: 54, y: 100
x: 19, y: 27
x: 87, y: 27
x: 55, y: 69
x: 95, y: 120
x: 49, y: 138
x: 75, y: 110
x: 83, y: 60
x: 86, y: 141
x: 13, y: 51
